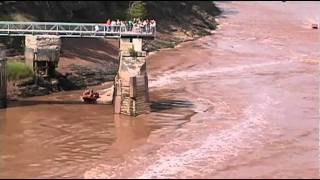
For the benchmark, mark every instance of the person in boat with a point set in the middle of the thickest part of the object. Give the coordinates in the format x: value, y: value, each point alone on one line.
x: 90, y: 96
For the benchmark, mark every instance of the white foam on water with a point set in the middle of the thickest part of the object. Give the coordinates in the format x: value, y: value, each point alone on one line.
x: 214, y: 149
x: 173, y: 77
x: 201, y: 151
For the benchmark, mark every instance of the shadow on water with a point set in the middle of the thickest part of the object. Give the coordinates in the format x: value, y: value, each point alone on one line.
x: 20, y: 103
x: 169, y: 104
x: 155, y: 106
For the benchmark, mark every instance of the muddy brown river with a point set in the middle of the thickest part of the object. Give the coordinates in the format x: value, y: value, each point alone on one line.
x: 241, y: 103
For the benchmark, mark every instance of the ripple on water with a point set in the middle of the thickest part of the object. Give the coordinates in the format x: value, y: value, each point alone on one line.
x: 192, y: 150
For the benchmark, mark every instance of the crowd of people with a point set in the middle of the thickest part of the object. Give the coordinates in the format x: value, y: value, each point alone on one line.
x: 135, y: 25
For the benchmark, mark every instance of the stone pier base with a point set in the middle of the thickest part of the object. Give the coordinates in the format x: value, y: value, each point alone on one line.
x: 131, y: 96
x: 3, y: 81
x: 42, y: 53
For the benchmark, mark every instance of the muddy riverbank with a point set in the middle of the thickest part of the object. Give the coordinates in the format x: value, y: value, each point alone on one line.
x: 89, y: 62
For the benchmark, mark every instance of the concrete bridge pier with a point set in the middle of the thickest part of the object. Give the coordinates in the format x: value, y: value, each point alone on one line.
x: 131, y: 83
x: 42, y: 53
x: 3, y: 81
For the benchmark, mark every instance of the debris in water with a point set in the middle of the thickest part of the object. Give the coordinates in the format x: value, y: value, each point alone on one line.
x: 315, y: 26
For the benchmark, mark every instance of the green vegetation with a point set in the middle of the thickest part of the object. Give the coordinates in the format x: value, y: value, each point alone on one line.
x: 137, y: 10
x: 18, y: 70
x: 133, y: 53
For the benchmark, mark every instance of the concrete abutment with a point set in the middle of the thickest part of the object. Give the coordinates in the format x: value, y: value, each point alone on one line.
x: 42, y: 53
x: 131, y: 95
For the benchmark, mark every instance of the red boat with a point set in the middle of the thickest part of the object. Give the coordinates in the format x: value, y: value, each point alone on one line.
x: 89, y: 96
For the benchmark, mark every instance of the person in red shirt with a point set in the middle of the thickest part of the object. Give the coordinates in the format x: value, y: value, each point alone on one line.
x: 108, y: 24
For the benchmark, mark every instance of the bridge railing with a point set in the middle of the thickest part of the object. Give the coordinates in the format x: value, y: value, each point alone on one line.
x: 9, y: 28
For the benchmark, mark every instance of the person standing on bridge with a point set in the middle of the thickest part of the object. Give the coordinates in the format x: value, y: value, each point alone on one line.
x: 113, y: 25
x: 140, y: 25
x: 148, y: 26
x: 144, y: 26
x: 122, y: 26
x: 153, y: 26
x: 108, y: 25
x: 136, y: 24
x: 130, y: 25
x: 118, y: 24
x: 96, y: 28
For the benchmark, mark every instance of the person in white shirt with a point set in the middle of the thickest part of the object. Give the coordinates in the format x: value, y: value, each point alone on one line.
x: 113, y: 24
x: 153, y: 26
x: 96, y: 28
x: 122, y: 26
x: 118, y: 25
x: 144, y: 26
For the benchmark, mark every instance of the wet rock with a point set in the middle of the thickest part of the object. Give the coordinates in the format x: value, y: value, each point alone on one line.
x: 33, y: 90
x: 70, y: 82
x: 55, y: 85
x: 25, y: 82
x: 82, y: 77
x: 44, y: 83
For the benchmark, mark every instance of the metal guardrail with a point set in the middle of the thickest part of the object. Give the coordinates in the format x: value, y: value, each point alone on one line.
x: 10, y: 28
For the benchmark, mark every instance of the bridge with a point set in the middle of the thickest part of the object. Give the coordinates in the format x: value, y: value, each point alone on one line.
x: 11, y: 28
x: 42, y: 52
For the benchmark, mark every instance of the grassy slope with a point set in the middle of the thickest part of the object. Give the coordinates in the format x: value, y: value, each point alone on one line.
x: 18, y: 70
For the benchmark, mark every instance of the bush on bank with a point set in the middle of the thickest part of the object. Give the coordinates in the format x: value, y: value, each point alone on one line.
x: 18, y: 70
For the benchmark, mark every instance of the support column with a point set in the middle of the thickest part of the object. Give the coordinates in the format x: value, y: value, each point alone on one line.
x: 131, y: 83
x: 3, y: 81
x: 42, y: 53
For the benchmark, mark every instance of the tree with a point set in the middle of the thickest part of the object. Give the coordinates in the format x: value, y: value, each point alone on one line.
x: 137, y: 9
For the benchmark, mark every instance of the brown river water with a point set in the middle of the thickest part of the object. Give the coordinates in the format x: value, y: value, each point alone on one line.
x: 241, y: 103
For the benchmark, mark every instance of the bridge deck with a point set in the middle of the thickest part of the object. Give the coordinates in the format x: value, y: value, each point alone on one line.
x: 10, y: 28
